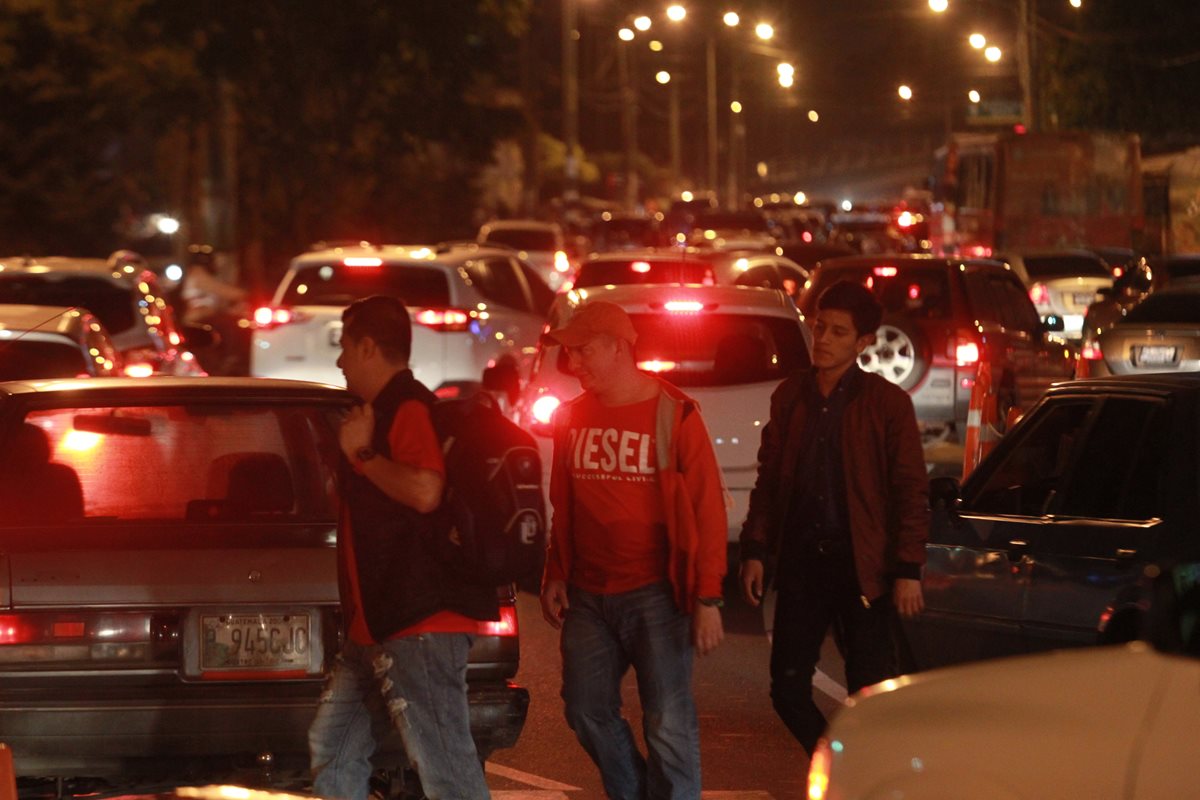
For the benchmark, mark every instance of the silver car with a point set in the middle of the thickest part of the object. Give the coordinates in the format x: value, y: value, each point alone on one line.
x: 169, y: 594
x: 39, y: 342
x: 1061, y: 283
x: 1159, y: 334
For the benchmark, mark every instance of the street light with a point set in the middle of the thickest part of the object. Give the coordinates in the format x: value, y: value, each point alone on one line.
x: 973, y: 96
x: 785, y: 68
x: 938, y: 6
x: 656, y: 45
x: 993, y: 54
x: 676, y: 13
x: 787, y: 81
x: 813, y: 116
x: 764, y: 31
x: 625, y: 35
x: 642, y: 23
x: 977, y: 40
x: 905, y: 91
x: 663, y: 77
x: 735, y: 107
x: 1076, y: 3
x: 732, y: 19
x: 799, y: 198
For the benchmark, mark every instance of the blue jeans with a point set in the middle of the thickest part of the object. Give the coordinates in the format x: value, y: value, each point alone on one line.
x: 416, y: 684
x: 602, y: 636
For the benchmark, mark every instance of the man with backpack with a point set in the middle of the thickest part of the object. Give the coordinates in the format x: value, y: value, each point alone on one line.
x: 409, y: 617
x: 636, y: 558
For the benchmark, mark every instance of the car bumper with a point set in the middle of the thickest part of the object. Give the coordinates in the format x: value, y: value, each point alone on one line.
x: 128, y: 733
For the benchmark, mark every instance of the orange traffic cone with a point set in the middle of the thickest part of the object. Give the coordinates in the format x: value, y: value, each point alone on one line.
x: 982, y: 434
x: 8, y: 775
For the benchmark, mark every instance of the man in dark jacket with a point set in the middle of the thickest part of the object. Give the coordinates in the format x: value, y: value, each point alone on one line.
x: 409, y: 618
x: 839, y: 510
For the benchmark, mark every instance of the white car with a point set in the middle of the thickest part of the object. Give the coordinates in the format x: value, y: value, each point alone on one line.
x: 726, y: 346
x: 1097, y: 723
x: 472, y: 307
x: 541, y: 244
x: 121, y: 291
x: 1062, y: 283
x: 42, y: 342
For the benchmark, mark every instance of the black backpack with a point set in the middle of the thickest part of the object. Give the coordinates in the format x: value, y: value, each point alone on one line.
x: 493, y: 509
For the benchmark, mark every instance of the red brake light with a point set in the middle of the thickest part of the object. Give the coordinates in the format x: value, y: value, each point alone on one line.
x: 640, y: 267
x: 886, y: 272
x: 966, y: 353
x: 1091, y: 351
x: 544, y: 407
x: 905, y: 219
x: 806, y: 237
x: 683, y: 306
x: 505, y: 626
x: 266, y: 317
x: 451, y: 392
x: 445, y: 320
x: 914, y: 292
x: 139, y: 370
x: 362, y: 262
x: 656, y: 365
x: 1039, y: 294
x: 979, y: 251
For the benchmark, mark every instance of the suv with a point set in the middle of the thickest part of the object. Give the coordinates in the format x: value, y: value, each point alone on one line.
x: 169, y: 604
x: 726, y: 346
x: 1061, y: 283
x: 1043, y: 545
x: 689, y: 265
x: 39, y: 342
x: 123, y: 293
x: 473, y: 307
x: 941, y: 318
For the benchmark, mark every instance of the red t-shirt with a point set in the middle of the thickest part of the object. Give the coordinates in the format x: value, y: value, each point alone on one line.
x: 414, y: 443
x: 619, y: 533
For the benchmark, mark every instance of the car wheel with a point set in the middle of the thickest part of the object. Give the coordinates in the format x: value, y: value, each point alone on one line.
x: 898, y: 353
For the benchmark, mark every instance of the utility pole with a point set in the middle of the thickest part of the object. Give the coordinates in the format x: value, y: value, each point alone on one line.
x: 629, y: 112
x: 1026, y: 11
x: 711, y: 70
x: 570, y: 49
x: 676, y: 143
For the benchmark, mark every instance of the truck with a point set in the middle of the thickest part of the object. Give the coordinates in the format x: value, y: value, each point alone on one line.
x: 1172, y: 198
x: 1043, y: 190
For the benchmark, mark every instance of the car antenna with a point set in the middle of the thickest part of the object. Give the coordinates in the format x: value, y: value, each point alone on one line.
x: 21, y: 335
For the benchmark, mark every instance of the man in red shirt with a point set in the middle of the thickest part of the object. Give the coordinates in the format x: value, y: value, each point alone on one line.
x: 408, y: 616
x: 636, y: 558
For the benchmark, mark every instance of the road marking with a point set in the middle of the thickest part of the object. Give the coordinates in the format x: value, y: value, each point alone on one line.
x: 829, y: 686
x: 528, y: 778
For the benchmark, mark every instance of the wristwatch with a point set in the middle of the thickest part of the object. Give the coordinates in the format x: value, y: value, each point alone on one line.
x: 714, y: 602
x: 364, y: 454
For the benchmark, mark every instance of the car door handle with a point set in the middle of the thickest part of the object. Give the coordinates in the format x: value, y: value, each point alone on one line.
x: 1017, y: 548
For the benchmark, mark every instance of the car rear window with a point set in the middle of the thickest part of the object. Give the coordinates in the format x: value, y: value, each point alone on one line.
x: 901, y: 289
x: 541, y: 241
x: 33, y: 360
x: 1045, y: 268
x: 339, y: 285
x: 635, y: 270
x: 706, y: 350
x: 1181, y: 307
x: 112, y: 303
x: 173, y: 463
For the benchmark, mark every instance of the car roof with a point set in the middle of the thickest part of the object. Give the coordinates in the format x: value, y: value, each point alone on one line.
x: 520, y: 224
x: 115, y: 272
x: 48, y: 319
x: 671, y: 254
x: 914, y: 260
x: 1157, y: 383
x: 640, y: 297
x: 429, y: 255
x: 170, y: 389
x: 1049, y: 252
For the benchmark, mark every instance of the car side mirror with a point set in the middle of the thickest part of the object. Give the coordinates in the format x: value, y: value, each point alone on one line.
x: 1053, y: 324
x: 944, y: 493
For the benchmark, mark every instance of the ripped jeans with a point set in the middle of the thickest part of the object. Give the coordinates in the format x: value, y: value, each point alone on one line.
x: 416, y: 684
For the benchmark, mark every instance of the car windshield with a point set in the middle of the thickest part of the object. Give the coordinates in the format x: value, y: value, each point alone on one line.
x: 524, y: 239
x: 339, y: 285
x: 1169, y: 307
x: 24, y: 359
x: 707, y: 350
x: 901, y: 289
x: 635, y: 270
x: 178, y: 463
x: 1043, y: 268
x: 111, y: 303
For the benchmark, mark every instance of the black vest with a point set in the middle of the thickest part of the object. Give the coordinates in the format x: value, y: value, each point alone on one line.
x: 406, y: 564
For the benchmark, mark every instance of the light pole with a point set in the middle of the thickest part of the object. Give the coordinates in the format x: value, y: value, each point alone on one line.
x: 570, y: 49
x: 628, y: 122
x: 664, y: 78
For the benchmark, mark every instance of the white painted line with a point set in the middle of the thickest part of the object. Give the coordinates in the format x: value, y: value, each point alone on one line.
x: 829, y: 686
x: 527, y: 778
x: 526, y: 794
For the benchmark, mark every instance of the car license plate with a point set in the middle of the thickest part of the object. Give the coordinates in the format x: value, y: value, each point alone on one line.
x: 1155, y: 355
x: 255, y: 642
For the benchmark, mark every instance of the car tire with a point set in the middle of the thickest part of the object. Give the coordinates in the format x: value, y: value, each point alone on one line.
x: 899, y: 353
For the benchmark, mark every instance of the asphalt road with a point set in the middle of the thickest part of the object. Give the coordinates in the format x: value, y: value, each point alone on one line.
x: 746, y: 752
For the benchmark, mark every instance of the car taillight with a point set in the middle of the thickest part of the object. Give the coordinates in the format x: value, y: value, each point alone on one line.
x: 266, y: 317
x: 59, y: 637
x: 656, y: 365
x: 886, y: 272
x: 1091, y: 351
x: 1039, y: 294
x: 561, y: 262
x: 966, y: 350
x: 979, y: 251
x: 445, y: 320
x: 362, y: 262
x: 905, y: 220
x: 505, y: 626
x: 139, y: 370
x: 640, y: 267
x: 818, y: 771
x: 1117, y: 272
x: 683, y: 306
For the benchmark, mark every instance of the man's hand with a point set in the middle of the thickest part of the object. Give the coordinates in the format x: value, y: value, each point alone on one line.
x: 357, y: 429
x: 752, y: 581
x: 707, y: 631
x: 554, y: 602
x: 907, y: 597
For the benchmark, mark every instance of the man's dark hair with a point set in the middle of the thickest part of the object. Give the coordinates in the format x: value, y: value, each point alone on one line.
x: 385, y: 320
x: 856, y: 300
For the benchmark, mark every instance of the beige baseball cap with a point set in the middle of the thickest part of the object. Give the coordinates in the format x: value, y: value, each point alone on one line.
x: 598, y: 318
